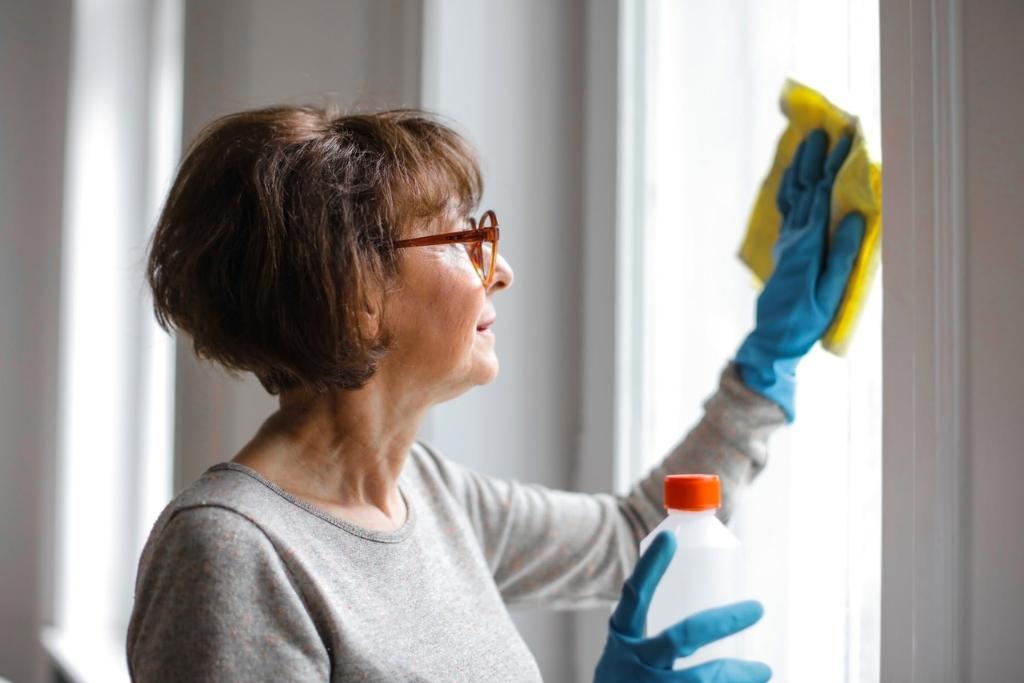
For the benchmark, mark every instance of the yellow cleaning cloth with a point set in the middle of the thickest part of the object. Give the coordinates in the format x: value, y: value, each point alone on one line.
x: 858, y: 187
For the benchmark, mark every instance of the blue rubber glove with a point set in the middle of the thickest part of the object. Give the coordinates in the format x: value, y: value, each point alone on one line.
x: 628, y: 656
x: 803, y: 293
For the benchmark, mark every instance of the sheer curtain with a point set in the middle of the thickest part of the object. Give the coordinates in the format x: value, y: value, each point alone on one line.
x: 711, y: 74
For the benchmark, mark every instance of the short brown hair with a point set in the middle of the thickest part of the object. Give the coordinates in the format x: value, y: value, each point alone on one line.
x: 276, y: 235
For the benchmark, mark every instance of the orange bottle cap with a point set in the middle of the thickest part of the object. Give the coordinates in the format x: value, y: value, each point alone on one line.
x: 693, y: 492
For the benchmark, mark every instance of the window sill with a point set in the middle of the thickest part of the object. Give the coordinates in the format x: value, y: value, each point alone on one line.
x: 96, y: 657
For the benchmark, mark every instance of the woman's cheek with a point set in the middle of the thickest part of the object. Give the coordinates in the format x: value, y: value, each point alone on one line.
x: 464, y: 294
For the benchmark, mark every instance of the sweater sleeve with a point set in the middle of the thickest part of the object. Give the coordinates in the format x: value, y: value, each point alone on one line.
x: 730, y: 440
x: 214, y: 602
x: 572, y: 550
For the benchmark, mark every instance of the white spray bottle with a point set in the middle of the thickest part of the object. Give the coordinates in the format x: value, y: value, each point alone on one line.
x: 705, y: 570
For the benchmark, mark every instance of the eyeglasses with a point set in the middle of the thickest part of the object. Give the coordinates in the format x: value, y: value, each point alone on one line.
x: 481, y: 243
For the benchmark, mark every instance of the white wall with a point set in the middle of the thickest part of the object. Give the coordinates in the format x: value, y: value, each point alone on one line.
x: 34, y: 54
x: 994, y: 109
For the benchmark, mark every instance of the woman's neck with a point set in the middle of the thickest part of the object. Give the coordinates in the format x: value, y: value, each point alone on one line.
x: 342, y: 451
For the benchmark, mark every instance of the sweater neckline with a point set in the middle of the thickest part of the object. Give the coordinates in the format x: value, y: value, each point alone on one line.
x: 399, y: 534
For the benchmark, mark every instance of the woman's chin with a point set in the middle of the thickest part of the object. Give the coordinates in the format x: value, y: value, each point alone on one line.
x: 492, y: 374
x: 487, y: 369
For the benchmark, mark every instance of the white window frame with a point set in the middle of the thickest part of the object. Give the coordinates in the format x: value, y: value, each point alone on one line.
x: 924, y: 343
x: 116, y: 393
x: 608, y: 330
x: 924, y: 332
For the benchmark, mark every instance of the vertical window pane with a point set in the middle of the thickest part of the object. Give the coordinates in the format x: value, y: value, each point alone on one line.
x: 811, y: 523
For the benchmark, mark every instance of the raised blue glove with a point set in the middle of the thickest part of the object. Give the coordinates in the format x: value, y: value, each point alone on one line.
x: 803, y: 292
x: 628, y: 656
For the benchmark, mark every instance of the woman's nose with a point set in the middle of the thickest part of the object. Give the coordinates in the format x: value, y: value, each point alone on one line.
x: 503, y: 275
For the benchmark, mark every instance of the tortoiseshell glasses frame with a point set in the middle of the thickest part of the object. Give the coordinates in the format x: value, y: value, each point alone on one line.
x: 484, y: 231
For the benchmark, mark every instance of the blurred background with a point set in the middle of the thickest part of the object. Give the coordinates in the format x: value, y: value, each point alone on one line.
x: 622, y: 145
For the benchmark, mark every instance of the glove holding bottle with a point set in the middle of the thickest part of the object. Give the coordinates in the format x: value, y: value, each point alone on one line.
x: 630, y: 656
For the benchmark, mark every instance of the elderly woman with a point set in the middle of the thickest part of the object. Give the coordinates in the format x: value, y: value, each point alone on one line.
x: 335, y: 258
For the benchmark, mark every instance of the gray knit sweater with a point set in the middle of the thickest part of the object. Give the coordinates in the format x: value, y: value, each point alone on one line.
x: 241, y: 581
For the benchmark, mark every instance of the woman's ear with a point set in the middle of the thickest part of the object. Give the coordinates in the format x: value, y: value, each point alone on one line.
x: 372, y: 317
